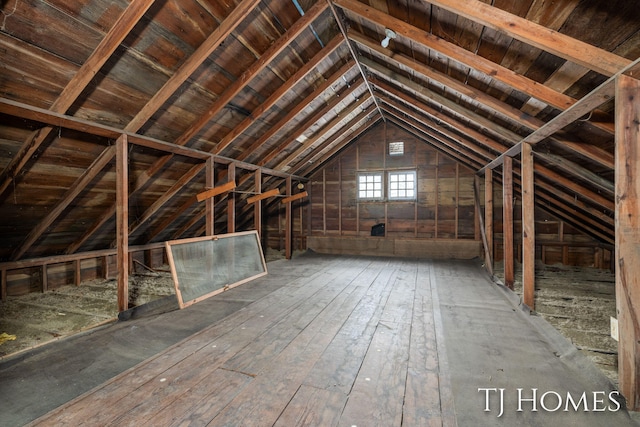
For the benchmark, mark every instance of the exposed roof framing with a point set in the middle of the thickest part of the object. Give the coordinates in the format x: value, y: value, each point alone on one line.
x: 266, y: 86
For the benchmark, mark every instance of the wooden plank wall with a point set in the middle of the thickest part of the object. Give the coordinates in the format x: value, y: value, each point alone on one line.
x: 556, y: 241
x: 444, y: 208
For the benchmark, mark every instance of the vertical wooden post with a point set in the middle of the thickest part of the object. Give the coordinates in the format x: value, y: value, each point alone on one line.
x: 45, y: 279
x: 122, y: 221
x: 627, y: 226
x: 476, y: 197
x: 3, y: 285
x: 231, y: 201
x: 437, y: 185
x: 488, y: 214
x: 528, y: 227
x: 288, y: 220
x: 507, y: 220
x: 78, y: 272
x: 257, y: 205
x: 210, y: 203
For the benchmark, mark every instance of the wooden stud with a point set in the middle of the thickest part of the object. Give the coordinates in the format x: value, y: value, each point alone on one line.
x: 528, y: 227
x: 45, y: 279
x: 122, y: 221
x: 78, y: 272
x: 257, y: 207
x: 210, y: 206
x: 507, y: 221
x: 488, y: 215
x: 231, y: 200
x: 627, y: 242
x: 3, y: 285
x: 288, y: 231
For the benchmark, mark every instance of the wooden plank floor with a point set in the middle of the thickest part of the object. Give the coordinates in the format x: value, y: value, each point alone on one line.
x: 351, y: 344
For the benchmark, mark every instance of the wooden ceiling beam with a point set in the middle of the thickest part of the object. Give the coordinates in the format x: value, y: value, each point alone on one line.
x: 356, y: 127
x: 354, y: 55
x: 574, y: 50
x: 435, y: 115
x: 589, y: 102
x: 570, y: 168
x: 74, y: 190
x: 465, y: 158
x: 309, y: 142
x: 469, y: 143
x: 512, y: 114
x: 338, y: 135
x: 448, y: 106
x: 472, y: 151
x: 295, y: 110
x: 191, y: 64
x: 279, y: 93
x: 254, y: 69
x: 118, y: 32
x: 469, y: 59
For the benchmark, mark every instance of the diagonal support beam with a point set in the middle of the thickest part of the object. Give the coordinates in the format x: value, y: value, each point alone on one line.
x: 78, y: 186
x: 591, y: 57
x: 78, y: 83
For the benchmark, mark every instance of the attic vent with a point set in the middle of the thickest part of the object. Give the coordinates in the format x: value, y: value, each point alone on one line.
x: 396, y: 148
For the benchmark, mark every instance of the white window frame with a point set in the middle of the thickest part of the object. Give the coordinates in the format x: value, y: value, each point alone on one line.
x: 370, y: 186
x: 402, y: 185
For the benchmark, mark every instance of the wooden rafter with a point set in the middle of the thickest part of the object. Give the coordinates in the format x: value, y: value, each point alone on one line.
x: 253, y: 70
x: 279, y: 93
x: 74, y: 190
x: 356, y: 127
x: 594, y: 99
x: 192, y: 63
x: 118, y: 32
x: 529, y: 32
x: 295, y: 110
x: 461, y: 128
x: 494, y: 105
x: 458, y: 54
x: 320, y: 133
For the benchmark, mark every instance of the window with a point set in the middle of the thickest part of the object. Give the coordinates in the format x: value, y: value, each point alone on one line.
x: 370, y: 186
x: 402, y: 185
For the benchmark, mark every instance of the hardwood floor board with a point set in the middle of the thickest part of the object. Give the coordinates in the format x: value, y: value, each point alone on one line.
x: 422, y: 392
x: 176, y: 404
x: 274, y: 387
x: 245, y: 325
x: 399, y: 305
x: 260, y: 351
x: 312, y: 406
x: 378, y: 392
x: 349, y: 341
x: 338, y: 366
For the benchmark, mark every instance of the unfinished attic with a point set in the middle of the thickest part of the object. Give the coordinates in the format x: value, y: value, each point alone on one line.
x: 443, y: 197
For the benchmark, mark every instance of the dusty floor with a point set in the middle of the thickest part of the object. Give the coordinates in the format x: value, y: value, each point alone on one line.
x: 579, y: 303
x: 576, y: 301
x: 28, y: 321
